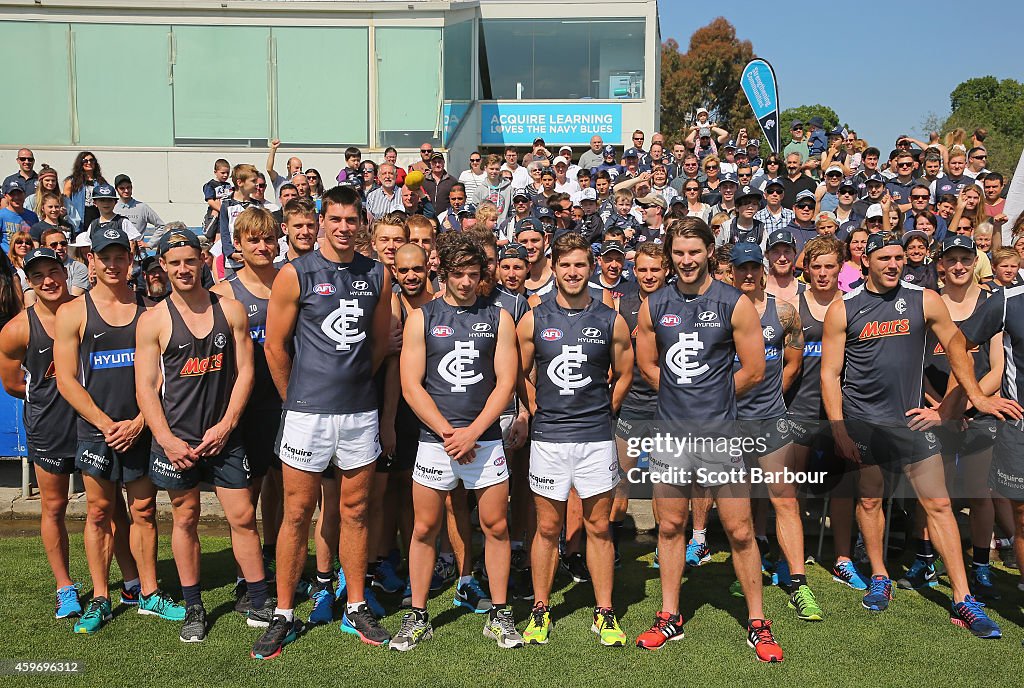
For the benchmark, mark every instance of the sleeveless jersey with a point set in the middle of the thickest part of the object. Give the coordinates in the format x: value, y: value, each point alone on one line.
x: 573, y: 353
x: 544, y: 288
x: 937, y: 365
x: 804, y: 396
x: 459, y: 377
x: 332, y: 370
x: 641, y: 398
x: 1003, y: 312
x: 49, y: 419
x: 199, y: 374
x: 884, y: 366
x: 695, y: 352
x: 765, y: 400
x: 264, y: 394
x: 515, y: 304
x: 106, y: 368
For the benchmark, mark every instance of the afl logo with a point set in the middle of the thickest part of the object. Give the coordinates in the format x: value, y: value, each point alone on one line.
x: 551, y: 334
x: 220, y: 340
x: 111, y: 234
x: 324, y: 289
x: 670, y: 320
x: 707, y: 316
x: 360, y: 285
x: 500, y: 461
x: 481, y: 327
x: 591, y: 332
x: 442, y: 331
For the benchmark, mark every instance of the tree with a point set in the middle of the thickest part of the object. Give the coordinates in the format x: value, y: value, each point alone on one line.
x: 995, y: 105
x: 803, y: 113
x: 707, y: 75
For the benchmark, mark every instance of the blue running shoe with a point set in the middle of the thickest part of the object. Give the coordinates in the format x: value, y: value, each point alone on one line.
x: 130, y: 596
x: 970, y: 615
x: 323, y: 606
x: 919, y: 575
x: 879, y: 594
x: 780, y: 576
x: 371, y: 601
x: 385, y: 578
x: 697, y: 553
x: 342, y: 589
x: 846, y: 572
x: 68, y: 604
x: 981, y: 579
x: 655, y: 564
x: 407, y: 595
x: 472, y: 597
x: 444, y: 575
x: 96, y: 614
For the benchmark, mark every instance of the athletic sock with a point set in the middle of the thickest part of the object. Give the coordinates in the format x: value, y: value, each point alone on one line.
x: 257, y: 593
x: 351, y: 607
x: 324, y: 578
x: 924, y: 551
x: 421, y: 613
x: 981, y: 556
x: 192, y: 595
x: 798, y: 580
x: 464, y: 580
x: 286, y: 613
x: 133, y: 583
x: 700, y: 536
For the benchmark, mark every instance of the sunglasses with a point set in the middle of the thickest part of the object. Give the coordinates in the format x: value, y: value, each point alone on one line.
x: 774, y: 192
x: 873, y: 221
x: 958, y: 227
x: 711, y: 167
x: 312, y: 177
x: 26, y: 159
x: 693, y: 189
x: 56, y: 244
x: 85, y: 160
x: 804, y: 206
x: 918, y: 197
x: 973, y: 157
x: 904, y: 164
x: 22, y: 242
x: 261, y: 186
x: 426, y: 150
x: 474, y: 159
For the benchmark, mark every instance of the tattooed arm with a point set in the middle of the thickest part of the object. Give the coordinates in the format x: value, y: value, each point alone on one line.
x: 793, y: 344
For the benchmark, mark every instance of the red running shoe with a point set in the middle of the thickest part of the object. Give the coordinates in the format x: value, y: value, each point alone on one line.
x: 666, y: 627
x: 759, y: 637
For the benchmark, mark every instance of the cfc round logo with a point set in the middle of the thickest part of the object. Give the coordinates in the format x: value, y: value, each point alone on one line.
x: 441, y: 331
x: 551, y: 334
x: 220, y: 340
x: 670, y: 320
x: 324, y: 289
x: 782, y: 426
x: 360, y: 285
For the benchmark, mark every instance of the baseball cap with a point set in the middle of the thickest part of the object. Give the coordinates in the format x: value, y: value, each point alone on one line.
x: 874, y: 178
x: 838, y: 131
x: 13, y: 185
x: 520, y: 193
x: 528, y: 224
x: 826, y: 215
x: 781, y: 236
x: 652, y: 199
x: 754, y: 142
x: 915, y: 234
x: 548, y: 170
x: 609, y: 149
x: 104, y: 191
x: 513, y: 250
x: 704, y: 132
x: 175, y: 239
x: 729, y: 144
x: 874, y: 210
x: 950, y: 242
x: 729, y: 177
x: 466, y: 210
x: 544, y: 213
x: 806, y: 194
x: 588, y: 194
x: 631, y: 153
x: 848, y: 183
x: 797, y: 124
x: 704, y: 110
x: 747, y: 192
x: 148, y: 262
x: 834, y: 169
x: 775, y: 181
x: 881, y: 240
x: 817, y: 121
x: 746, y: 252
x: 560, y: 159
x: 612, y: 245
x: 565, y: 148
x: 41, y: 253
x: 437, y: 155
x: 99, y: 238
x: 122, y: 179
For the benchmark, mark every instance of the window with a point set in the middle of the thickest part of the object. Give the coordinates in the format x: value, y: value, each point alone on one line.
x: 40, y: 89
x: 408, y: 85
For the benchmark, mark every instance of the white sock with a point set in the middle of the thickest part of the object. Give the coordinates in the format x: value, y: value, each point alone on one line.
x: 700, y: 536
x: 133, y: 583
x: 286, y: 613
x: 353, y: 606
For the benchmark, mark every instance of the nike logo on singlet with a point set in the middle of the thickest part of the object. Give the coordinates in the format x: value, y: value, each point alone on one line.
x: 43, y: 351
x: 97, y: 336
x: 182, y: 346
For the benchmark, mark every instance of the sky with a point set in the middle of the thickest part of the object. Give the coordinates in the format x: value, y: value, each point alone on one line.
x: 855, y: 57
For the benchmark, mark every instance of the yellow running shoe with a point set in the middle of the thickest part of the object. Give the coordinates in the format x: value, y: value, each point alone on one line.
x: 538, y: 632
x: 607, y: 627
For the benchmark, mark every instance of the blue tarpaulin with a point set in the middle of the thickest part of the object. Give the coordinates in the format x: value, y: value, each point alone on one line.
x: 12, y: 427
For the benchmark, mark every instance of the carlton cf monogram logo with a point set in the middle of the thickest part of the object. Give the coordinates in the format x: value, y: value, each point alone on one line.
x: 563, y: 370
x: 340, y: 325
x: 456, y: 366
x: 680, y: 355
x: 901, y: 306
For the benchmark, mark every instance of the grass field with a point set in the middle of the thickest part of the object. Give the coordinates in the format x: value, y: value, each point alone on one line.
x: 912, y: 644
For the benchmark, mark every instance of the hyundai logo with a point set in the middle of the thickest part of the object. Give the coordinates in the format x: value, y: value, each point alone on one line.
x: 591, y: 332
x: 708, y: 316
x: 481, y: 327
x: 360, y: 285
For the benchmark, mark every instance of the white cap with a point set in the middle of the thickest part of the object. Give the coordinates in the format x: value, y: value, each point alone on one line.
x: 565, y: 148
x: 560, y: 159
x: 83, y: 240
x: 874, y: 210
x: 588, y: 194
x: 834, y: 168
x: 704, y: 110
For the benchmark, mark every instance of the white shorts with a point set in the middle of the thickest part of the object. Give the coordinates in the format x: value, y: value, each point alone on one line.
x: 313, y: 441
x: 505, y: 422
x: 435, y: 469
x: 555, y: 467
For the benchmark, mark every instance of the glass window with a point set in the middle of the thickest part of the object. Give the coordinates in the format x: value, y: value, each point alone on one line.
x: 408, y: 85
x: 40, y: 111
x: 122, y: 89
x: 458, y: 61
x: 221, y: 85
x: 563, y: 59
x: 310, y: 110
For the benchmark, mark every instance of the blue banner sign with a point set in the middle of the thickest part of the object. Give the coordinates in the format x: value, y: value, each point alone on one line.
x: 758, y: 82
x: 519, y: 124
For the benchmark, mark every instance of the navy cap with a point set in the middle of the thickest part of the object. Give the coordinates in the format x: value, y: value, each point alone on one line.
x: 881, y: 240
x: 631, y: 153
x: 41, y: 253
x: 838, y: 131
x: 122, y: 179
x: 748, y: 192
x: 548, y: 170
x: 99, y: 239
x: 746, y: 252
x: 528, y: 224
x: 817, y: 121
x: 466, y: 210
x: 848, y: 182
x: 513, y: 250
x: 612, y: 245
x: 104, y: 191
x: 176, y: 238
x: 730, y: 144
x: 915, y: 234
x: 876, y: 177
x: 950, y: 242
x: 544, y: 213
x: 609, y: 149
x: 13, y: 185
x: 754, y: 142
x: 781, y: 236
x: 797, y: 124
x: 520, y: 193
x: 776, y: 181
x: 729, y: 177
x: 806, y: 194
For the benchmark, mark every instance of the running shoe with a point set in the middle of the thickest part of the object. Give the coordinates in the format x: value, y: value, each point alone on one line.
x: 407, y: 595
x: 193, y: 630
x: 667, y: 627
x: 697, y: 553
x: 242, y: 602
x: 981, y: 582
x: 261, y: 618
x: 846, y: 572
x: 521, y: 584
x: 68, y: 604
x: 539, y: 630
x: 879, y: 594
x: 415, y: 629
x: 130, y: 596
x: 607, y: 628
x: 918, y: 576
x: 279, y: 633
x: 303, y: 588
x: 780, y: 576
x: 655, y: 564
x: 970, y: 615
x: 760, y: 638
x: 575, y: 565
x: 735, y: 589
x: 471, y: 596
x: 444, y: 574
x: 342, y: 590
x: 323, y: 606
x: 807, y: 609
x: 501, y: 627
x: 385, y: 578
x: 96, y: 614
x: 370, y: 597
x: 364, y: 624
x: 161, y: 604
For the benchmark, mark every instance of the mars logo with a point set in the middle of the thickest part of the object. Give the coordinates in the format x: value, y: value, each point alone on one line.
x: 551, y: 334
x: 670, y: 320
x: 900, y: 306
x: 360, y: 285
x: 591, y: 332
x: 195, y: 367
x: 220, y: 340
x: 324, y: 289
x: 441, y: 331
x: 939, y: 351
x: 885, y: 328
